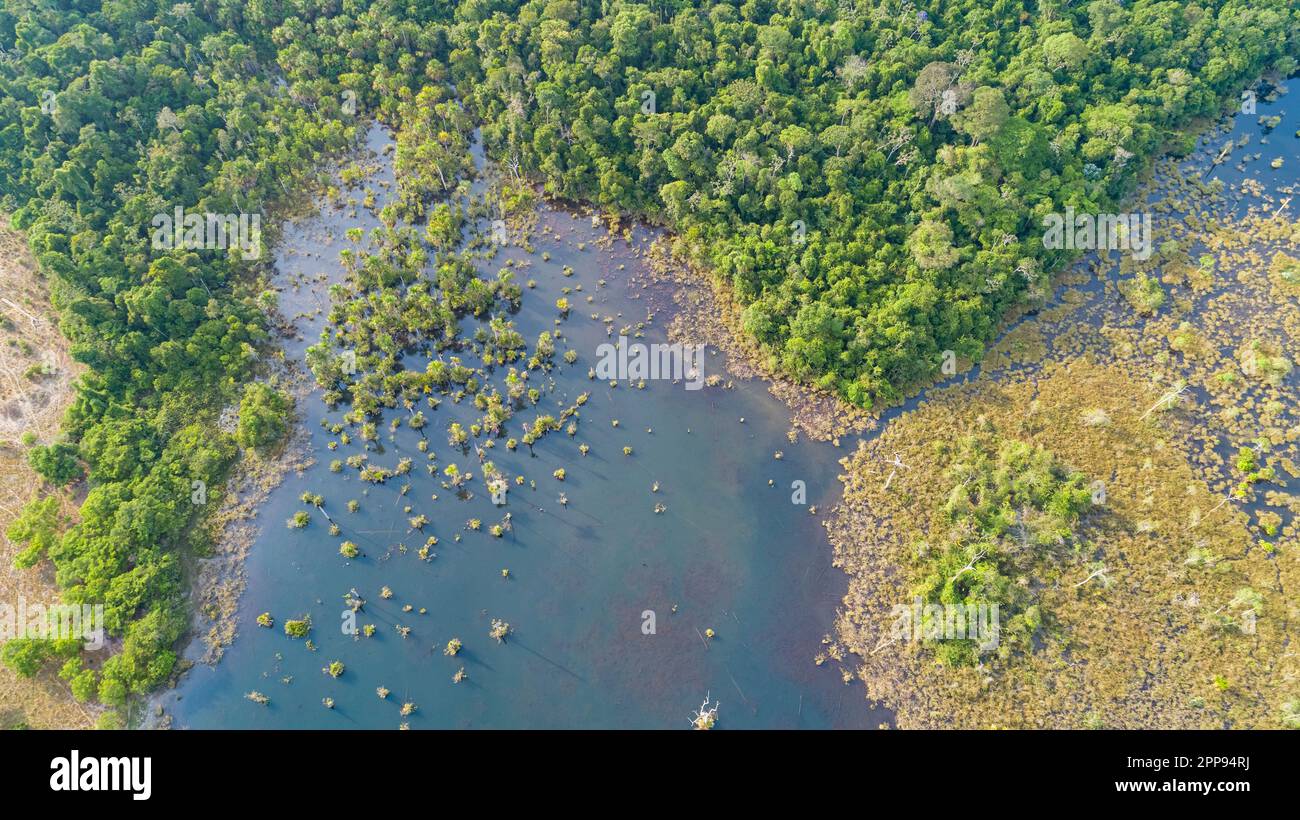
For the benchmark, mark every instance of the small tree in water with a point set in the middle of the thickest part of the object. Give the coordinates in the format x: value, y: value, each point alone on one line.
x: 500, y: 629
x: 706, y: 716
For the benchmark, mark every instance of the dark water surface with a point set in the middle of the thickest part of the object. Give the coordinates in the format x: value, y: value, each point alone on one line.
x: 730, y: 553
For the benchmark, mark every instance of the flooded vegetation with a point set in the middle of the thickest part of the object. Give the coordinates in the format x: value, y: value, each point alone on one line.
x: 482, y: 524
x: 565, y: 364
x: 1101, y: 501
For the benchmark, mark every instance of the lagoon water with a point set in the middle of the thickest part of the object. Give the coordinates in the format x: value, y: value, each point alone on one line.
x: 730, y: 553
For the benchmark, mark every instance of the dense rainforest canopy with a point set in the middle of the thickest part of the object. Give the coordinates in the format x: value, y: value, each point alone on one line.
x: 867, y: 178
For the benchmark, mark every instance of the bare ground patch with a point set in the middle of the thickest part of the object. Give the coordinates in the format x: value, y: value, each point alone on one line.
x: 35, y: 387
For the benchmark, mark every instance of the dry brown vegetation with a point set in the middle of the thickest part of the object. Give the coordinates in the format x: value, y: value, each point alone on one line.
x: 1134, y: 654
x: 30, y: 400
x: 1182, y: 531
